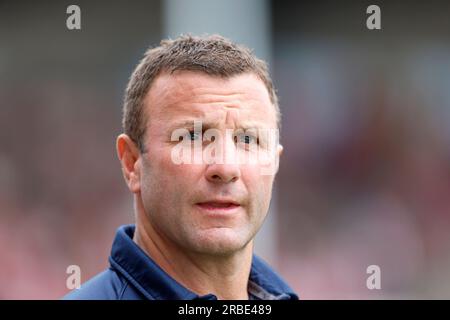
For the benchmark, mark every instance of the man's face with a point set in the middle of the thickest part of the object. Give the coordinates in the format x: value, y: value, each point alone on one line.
x: 205, y: 208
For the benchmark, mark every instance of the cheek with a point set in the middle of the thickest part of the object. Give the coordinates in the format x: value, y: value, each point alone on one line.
x: 259, y: 186
x: 169, y: 180
x: 266, y: 186
x: 155, y: 178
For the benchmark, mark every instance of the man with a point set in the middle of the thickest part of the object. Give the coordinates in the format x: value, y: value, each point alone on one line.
x: 196, y: 212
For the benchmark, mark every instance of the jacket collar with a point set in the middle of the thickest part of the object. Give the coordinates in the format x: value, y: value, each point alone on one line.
x: 128, y: 259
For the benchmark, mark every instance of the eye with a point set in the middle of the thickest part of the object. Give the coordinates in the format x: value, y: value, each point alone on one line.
x: 245, y: 138
x: 193, y: 135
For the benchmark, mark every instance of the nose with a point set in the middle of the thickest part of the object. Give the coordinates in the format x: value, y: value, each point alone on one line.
x: 228, y: 169
x: 223, y: 173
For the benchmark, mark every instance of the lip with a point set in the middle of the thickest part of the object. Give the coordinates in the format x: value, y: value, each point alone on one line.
x: 226, y: 206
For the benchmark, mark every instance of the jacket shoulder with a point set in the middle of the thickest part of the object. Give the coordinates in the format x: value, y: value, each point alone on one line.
x: 107, y: 285
x: 266, y: 276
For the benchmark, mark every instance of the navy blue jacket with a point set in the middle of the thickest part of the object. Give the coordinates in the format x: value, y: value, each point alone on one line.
x: 133, y: 275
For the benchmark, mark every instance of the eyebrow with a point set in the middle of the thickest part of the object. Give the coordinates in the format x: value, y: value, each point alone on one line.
x: 190, y: 124
x: 246, y: 125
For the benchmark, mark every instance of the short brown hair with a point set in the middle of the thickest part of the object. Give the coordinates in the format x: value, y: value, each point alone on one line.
x: 213, y: 55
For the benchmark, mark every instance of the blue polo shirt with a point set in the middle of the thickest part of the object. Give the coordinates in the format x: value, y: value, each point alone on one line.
x: 133, y: 275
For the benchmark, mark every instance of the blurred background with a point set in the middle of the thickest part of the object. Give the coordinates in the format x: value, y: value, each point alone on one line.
x: 364, y: 178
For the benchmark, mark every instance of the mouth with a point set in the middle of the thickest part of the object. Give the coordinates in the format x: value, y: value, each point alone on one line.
x: 218, y: 205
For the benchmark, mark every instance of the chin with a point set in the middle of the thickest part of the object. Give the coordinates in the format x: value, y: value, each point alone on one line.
x: 220, y: 241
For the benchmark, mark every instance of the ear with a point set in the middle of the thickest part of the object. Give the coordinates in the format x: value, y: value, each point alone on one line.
x: 280, y: 150
x: 130, y: 159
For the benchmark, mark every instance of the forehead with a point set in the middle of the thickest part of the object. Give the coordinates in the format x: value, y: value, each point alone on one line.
x: 195, y: 95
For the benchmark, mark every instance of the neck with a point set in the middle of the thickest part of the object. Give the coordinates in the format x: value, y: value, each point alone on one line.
x: 224, y: 276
